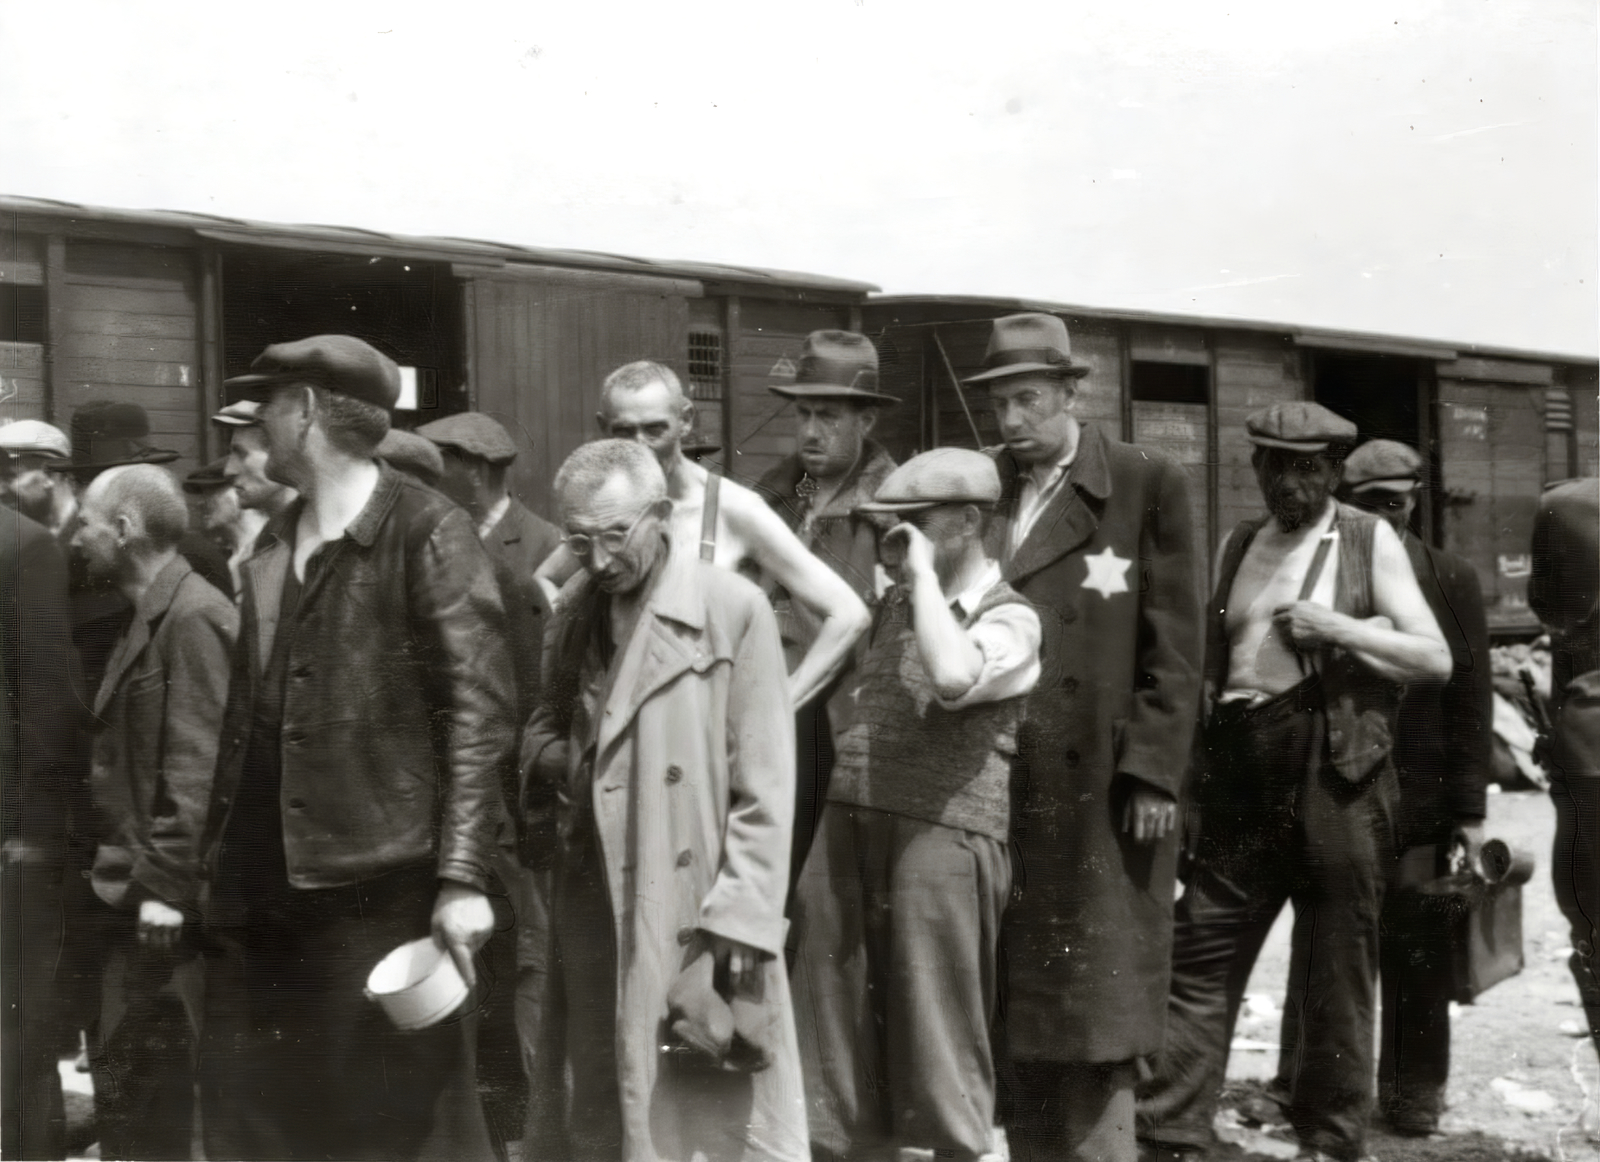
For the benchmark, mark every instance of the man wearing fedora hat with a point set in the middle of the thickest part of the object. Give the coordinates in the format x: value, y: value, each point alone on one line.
x: 898, y: 908
x: 1096, y: 533
x: 359, y: 798
x: 725, y: 522
x: 1441, y: 751
x: 819, y: 490
x: 1315, y: 624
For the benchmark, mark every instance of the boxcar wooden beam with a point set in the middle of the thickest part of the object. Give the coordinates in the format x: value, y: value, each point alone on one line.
x: 55, y: 308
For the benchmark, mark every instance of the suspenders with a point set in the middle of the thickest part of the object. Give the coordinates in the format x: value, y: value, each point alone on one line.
x: 708, y: 518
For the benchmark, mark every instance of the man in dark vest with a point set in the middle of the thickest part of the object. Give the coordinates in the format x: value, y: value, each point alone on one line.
x: 1097, y: 534
x: 1565, y: 592
x: 516, y: 1046
x: 898, y: 908
x: 818, y: 490
x: 1316, y: 622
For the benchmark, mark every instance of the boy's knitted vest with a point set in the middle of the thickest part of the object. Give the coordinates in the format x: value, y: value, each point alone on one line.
x: 899, y: 751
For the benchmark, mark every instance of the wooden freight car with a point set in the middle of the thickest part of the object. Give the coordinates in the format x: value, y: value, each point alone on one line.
x: 159, y: 307
x: 1494, y: 424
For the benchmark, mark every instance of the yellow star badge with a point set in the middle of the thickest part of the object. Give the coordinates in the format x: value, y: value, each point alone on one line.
x: 1107, y: 572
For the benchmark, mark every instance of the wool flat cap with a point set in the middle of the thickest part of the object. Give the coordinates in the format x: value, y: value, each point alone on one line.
x: 1029, y: 342
x: 340, y: 363
x: 35, y: 437
x: 836, y: 365
x: 412, y: 454
x: 1383, y: 466
x: 207, y: 478
x: 243, y: 414
x: 474, y: 434
x: 942, y: 476
x: 1300, y: 427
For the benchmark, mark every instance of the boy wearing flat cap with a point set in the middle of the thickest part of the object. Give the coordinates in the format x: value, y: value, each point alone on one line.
x: 1316, y: 623
x: 899, y: 903
x: 359, y: 797
x: 1097, y: 534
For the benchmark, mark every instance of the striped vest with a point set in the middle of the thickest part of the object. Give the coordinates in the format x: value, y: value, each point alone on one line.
x: 899, y: 751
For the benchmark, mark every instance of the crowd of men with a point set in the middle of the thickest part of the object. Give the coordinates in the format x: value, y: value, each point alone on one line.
x: 826, y: 817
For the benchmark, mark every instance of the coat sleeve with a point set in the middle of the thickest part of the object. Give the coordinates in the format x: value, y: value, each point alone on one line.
x: 1166, y: 694
x: 746, y: 899
x: 1467, y: 700
x: 197, y: 653
x: 51, y: 714
x: 458, y: 614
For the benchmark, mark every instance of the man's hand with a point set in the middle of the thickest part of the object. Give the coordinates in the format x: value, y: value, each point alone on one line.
x: 1308, y: 625
x: 463, y: 921
x: 1468, y: 835
x: 916, y: 552
x: 743, y: 961
x: 1150, y: 815
x: 160, y: 925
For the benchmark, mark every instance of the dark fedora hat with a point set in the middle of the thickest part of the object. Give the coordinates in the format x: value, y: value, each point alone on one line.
x: 836, y: 365
x: 340, y: 363
x: 209, y: 478
x: 109, y: 433
x: 1030, y: 342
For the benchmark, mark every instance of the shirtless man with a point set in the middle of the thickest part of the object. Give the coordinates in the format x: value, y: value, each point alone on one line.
x: 1316, y: 622
x: 644, y: 401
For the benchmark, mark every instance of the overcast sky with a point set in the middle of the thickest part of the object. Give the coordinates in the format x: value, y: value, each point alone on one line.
x: 1415, y: 168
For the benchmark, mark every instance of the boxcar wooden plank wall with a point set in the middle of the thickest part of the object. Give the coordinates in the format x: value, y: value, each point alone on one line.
x: 539, y: 345
x: 22, y: 370
x: 129, y: 330
x: 769, y: 330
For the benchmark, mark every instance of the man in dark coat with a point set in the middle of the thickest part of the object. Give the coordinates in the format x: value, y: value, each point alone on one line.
x: 519, y: 1058
x: 158, y: 719
x: 360, y: 791
x: 41, y: 720
x: 1097, y: 535
x: 1315, y: 625
x: 835, y: 468
x: 1441, y: 751
x: 1565, y: 592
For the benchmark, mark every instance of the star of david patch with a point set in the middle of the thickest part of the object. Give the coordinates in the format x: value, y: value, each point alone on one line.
x: 1108, y: 573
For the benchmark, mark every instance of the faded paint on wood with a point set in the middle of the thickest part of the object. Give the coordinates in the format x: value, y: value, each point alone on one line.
x: 128, y: 329
x: 21, y: 259
x: 22, y: 394
x: 538, y: 351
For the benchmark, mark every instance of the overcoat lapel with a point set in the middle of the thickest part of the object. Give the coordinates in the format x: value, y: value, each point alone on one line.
x: 156, y: 601
x: 264, y: 574
x: 1070, y: 517
x: 658, y: 652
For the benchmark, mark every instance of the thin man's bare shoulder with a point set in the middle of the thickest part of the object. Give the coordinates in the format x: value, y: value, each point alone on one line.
x: 745, y: 509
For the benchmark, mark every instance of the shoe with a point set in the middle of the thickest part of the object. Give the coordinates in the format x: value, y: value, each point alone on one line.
x: 1157, y: 1152
x: 1412, y: 1124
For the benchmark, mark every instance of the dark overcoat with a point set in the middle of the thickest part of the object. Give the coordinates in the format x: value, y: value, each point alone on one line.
x: 1110, y: 565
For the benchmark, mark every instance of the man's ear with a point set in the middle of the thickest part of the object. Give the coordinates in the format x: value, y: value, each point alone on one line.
x: 600, y: 421
x: 869, y: 420
x: 687, y: 414
x: 127, y: 527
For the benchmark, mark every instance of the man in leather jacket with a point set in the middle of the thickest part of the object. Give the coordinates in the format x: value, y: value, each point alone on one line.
x: 360, y: 787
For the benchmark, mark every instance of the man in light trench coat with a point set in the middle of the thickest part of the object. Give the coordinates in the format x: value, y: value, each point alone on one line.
x: 664, y: 743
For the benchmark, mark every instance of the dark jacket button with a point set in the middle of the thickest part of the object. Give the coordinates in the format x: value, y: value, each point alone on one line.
x: 297, y: 804
x: 1068, y: 613
x: 674, y: 773
x: 1070, y: 685
x: 685, y: 858
x: 685, y: 934
x: 1072, y: 758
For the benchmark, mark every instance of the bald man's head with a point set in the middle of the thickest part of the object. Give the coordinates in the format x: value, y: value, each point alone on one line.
x: 142, y: 503
x: 644, y: 402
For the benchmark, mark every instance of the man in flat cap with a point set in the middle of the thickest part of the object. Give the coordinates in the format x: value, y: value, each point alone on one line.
x: 724, y: 522
x: 359, y: 798
x: 1316, y: 623
x: 898, y: 908
x: 415, y: 455
x: 32, y: 455
x: 246, y: 463
x: 517, y: 1050
x: 1441, y: 754
x: 819, y: 491
x: 1565, y: 592
x: 1096, y: 533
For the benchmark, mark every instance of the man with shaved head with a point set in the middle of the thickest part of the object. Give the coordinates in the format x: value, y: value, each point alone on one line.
x: 158, y: 720
x: 726, y: 523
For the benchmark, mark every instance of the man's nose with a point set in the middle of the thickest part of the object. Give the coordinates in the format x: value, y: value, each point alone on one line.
x: 599, y: 555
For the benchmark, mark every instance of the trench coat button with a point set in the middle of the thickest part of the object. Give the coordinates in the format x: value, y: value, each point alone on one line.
x: 1072, y: 758
x: 1068, y: 613
x: 674, y: 773
x: 1070, y: 685
x: 685, y: 858
x: 685, y: 934
x: 297, y: 804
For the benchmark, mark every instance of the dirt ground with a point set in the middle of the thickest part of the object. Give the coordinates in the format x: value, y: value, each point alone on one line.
x: 1520, y: 1087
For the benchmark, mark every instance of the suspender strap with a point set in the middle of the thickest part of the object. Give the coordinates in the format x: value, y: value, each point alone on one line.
x: 708, y: 517
x: 1318, y: 560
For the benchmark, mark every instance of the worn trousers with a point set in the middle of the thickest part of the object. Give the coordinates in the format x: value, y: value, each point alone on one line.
x: 1575, y: 861
x: 1278, y: 826
x: 895, y: 984
x: 31, y: 926
x: 1071, y: 1111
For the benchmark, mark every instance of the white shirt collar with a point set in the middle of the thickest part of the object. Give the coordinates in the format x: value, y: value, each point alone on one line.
x: 970, y: 597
